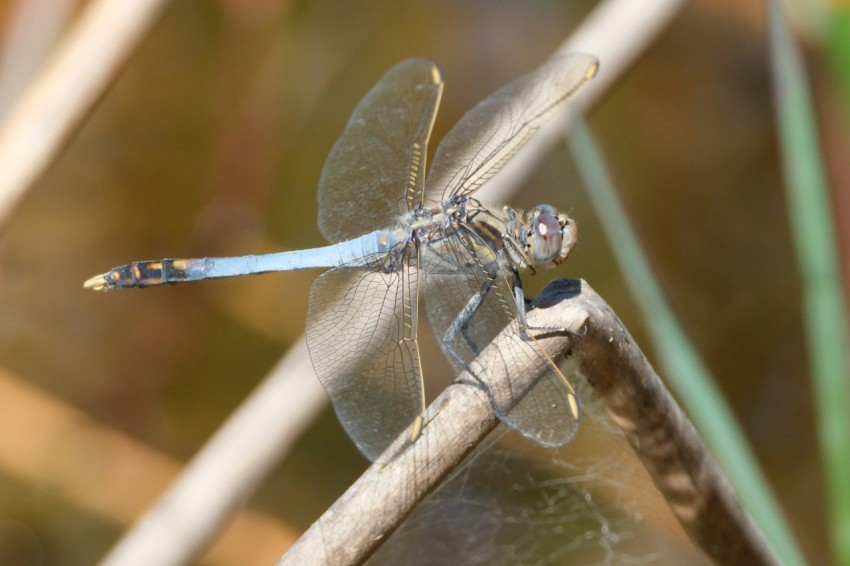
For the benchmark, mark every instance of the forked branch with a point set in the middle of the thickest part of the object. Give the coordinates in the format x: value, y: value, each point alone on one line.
x: 604, y: 352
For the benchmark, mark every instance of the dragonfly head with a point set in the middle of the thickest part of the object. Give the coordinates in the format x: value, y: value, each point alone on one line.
x: 551, y: 236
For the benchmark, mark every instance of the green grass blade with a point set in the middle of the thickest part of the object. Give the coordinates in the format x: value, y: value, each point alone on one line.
x: 824, y: 308
x: 685, y: 372
x: 837, y: 47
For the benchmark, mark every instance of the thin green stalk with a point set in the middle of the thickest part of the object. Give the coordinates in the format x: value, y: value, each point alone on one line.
x: 837, y: 48
x: 686, y: 374
x: 824, y: 308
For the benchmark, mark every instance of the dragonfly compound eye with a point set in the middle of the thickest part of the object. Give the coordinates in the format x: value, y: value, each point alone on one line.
x: 547, y: 241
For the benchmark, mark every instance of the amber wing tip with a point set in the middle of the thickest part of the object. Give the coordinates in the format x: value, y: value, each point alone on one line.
x: 97, y: 283
x: 592, y: 70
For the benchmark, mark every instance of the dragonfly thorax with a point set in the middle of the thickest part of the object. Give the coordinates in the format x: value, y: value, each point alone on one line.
x: 549, y: 236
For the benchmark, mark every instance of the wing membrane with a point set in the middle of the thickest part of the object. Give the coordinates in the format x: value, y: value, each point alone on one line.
x: 490, y: 134
x: 376, y: 170
x: 457, y: 268
x: 361, y: 334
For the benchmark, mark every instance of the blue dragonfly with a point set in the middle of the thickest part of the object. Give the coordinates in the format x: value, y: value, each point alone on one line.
x: 394, y: 228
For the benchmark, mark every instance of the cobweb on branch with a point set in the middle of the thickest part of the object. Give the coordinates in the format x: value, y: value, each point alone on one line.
x: 513, y: 502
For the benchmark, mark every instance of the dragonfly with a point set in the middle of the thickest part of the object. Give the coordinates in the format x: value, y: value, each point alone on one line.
x: 395, y: 227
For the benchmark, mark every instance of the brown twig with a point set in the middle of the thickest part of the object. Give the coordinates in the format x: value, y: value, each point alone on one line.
x: 682, y: 467
x: 662, y: 436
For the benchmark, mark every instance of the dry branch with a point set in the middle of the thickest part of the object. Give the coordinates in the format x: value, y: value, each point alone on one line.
x: 662, y: 436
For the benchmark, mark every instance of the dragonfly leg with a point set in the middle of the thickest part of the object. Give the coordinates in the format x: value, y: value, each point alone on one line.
x: 461, y: 323
x: 461, y: 326
x: 519, y: 295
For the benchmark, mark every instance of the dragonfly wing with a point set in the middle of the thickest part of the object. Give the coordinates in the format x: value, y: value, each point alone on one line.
x: 361, y: 334
x: 490, y: 134
x: 457, y: 269
x: 376, y: 170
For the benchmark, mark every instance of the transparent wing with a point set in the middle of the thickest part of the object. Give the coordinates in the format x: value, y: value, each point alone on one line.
x: 376, y: 170
x: 361, y: 334
x: 490, y: 134
x: 458, y: 272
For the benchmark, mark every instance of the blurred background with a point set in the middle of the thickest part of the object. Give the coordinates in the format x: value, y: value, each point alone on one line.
x: 211, y: 141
